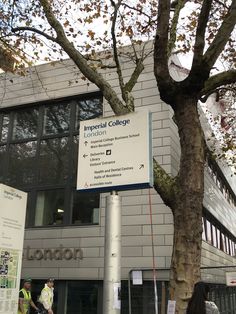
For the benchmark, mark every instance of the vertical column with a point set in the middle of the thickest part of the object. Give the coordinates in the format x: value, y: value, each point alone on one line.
x: 112, y: 258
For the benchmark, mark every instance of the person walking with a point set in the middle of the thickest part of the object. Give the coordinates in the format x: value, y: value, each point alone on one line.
x: 199, y: 303
x: 25, y: 300
x: 46, y: 297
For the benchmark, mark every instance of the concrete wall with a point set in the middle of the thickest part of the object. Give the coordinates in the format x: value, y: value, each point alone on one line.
x: 47, y: 82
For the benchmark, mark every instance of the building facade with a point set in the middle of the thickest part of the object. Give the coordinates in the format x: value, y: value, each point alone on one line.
x: 40, y: 115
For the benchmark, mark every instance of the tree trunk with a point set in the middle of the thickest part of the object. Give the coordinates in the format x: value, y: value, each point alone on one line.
x: 186, y: 257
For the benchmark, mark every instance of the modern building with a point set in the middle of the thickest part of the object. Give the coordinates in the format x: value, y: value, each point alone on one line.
x: 40, y: 115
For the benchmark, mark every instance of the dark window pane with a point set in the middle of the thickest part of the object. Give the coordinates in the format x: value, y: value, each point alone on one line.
x: 82, y: 297
x: 54, y: 161
x: 4, y: 127
x: 88, y: 109
x: 57, y: 119
x: 22, y: 163
x: 49, y: 208
x: 25, y: 123
x: 2, y: 161
x: 223, y: 246
x: 85, y: 208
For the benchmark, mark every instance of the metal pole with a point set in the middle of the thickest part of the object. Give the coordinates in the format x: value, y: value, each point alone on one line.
x: 112, y: 256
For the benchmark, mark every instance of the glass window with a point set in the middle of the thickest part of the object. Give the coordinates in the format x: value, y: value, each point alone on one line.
x: 4, y: 127
x: 82, y: 297
x: 233, y: 248
x: 85, y: 208
x: 208, y: 231
x: 25, y: 123
x: 56, y: 119
x: 49, y: 207
x: 39, y: 154
x: 227, y: 244
x: 223, y: 247
x: 230, y: 247
x: 214, y: 236
x: 218, y: 238
x: 54, y: 161
x: 22, y: 163
x: 88, y: 109
x: 203, y: 230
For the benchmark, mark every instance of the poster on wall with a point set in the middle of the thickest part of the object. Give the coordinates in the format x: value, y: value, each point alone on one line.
x: 12, y: 225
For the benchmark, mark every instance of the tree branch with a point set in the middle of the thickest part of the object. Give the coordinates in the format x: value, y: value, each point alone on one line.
x: 135, y: 75
x: 161, y: 69
x: 173, y: 30
x: 115, y: 50
x: 200, y: 34
x: 164, y: 184
x: 216, y: 81
x: 34, y: 30
x: 110, y: 95
x: 221, y: 38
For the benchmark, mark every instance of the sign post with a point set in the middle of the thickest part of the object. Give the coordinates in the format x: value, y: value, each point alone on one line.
x: 12, y: 224
x: 115, y: 153
x: 112, y: 258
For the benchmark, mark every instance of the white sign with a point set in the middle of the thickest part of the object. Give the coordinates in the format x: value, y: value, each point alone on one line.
x: 117, y: 296
x: 137, y: 277
x: 115, y: 153
x: 230, y: 279
x: 171, y: 307
x: 12, y: 224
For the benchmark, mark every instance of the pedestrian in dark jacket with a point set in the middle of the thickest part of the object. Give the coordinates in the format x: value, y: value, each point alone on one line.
x: 199, y: 303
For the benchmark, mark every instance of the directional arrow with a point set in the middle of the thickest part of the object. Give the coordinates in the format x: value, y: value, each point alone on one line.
x: 85, y: 143
x: 141, y: 166
x: 84, y: 155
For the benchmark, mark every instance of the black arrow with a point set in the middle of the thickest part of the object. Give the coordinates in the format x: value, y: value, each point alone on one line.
x: 141, y: 166
x: 84, y: 155
x: 85, y: 143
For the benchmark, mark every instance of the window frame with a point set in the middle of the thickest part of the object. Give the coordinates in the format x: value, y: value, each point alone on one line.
x: 69, y: 185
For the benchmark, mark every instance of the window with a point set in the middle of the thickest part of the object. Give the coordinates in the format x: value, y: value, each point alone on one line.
x: 203, y: 229
x: 84, y: 208
x: 223, y: 245
x: 82, y: 297
x: 216, y: 234
x: 219, y: 179
x: 54, y: 160
x: 25, y: 123
x: 38, y: 154
x: 49, y: 208
x: 218, y: 238
x: 208, y: 232
x: 56, y: 119
x: 21, y: 169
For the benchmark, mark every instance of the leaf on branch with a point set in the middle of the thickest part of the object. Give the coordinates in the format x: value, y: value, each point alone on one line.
x: 66, y: 23
x: 91, y: 34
